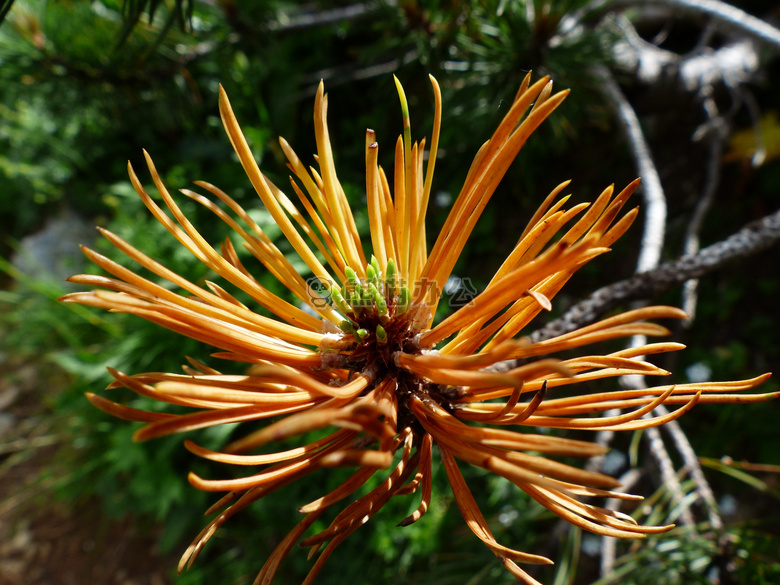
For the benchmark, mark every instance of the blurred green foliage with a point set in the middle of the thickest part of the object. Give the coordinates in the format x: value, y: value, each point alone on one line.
x: 85, y: 85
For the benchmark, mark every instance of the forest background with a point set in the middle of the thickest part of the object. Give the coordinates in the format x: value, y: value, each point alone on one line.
x: 683, y: 93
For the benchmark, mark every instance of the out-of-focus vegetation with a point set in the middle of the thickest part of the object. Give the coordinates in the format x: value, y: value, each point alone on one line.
x: 86, y: 85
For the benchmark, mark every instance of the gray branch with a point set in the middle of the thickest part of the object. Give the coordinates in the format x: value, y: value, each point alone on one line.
x: 671, y: 481
x: 652, y: 191
x: 733, y: 64
x: 725, y: 17
x: 320, y: 17
x: 691, y: 460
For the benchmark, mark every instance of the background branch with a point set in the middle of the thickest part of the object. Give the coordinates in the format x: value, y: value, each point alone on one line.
x: 651, y: 189
x: 725, y: 17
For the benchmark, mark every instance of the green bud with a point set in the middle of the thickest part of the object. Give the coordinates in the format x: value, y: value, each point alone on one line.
x: 361, y: 334
x: 339, y: 302
x: 351, y: 276
x: 390, y: 277
x: 379, y: 301
x: 354, y: 300
x: 404, y: 300
x: 375, y: 265
x: 347, y: 326
x: 354, y: 290
x: 381, y: 334
x: 370, y: 273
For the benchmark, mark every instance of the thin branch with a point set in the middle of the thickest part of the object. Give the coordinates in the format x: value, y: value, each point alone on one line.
x: 755, y: 237
x: 670, y: 478
x: 733, y: 64
x: 320, y: 17
x: 713, y: 131
x: 609, y: 543
x: 691, y: 461
x: 652, y: 191
x: 725, y: 17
